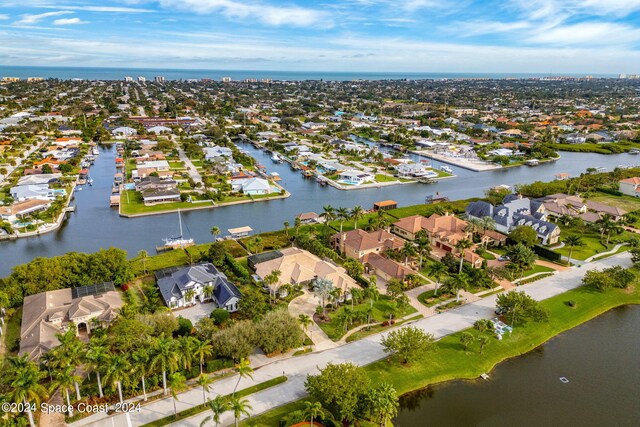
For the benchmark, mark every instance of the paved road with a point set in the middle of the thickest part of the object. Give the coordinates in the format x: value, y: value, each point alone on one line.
x: 360, y: 352
x: 19, y: 162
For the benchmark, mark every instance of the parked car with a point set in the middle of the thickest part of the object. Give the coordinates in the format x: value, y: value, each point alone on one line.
x: 503, y: 258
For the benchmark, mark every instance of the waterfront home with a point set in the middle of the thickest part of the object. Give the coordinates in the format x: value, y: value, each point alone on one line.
x: 515, y: 211
x: 159, y: 130
x: 414, y: 170
x: 251, y: 186
x: 184, y: 286
x: 630, y: 186
x: 47, y: 314
x: 216, y: 151
x: 151, y: 196
x: 45, y: 178
x: 155, y: 183
x: 385, y: 205
x: 19, y: 210
x: 299, y: 267
x: 354, y: 177
x: 158, y: 165
x: 443, y: 232
x: 21, y: 193
x: 573, y: 138
x: 359, y: 243
x: 560, y: 204
x: 310, y: 218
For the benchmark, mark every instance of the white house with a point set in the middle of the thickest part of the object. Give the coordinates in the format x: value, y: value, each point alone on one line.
x: 33, y: 192
x: 251, y: 186
x: 630, y: 186
x: 355, y: 177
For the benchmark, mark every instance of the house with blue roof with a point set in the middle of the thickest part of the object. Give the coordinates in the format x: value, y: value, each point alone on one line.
x: 516, y: 211
x: 184, y: 286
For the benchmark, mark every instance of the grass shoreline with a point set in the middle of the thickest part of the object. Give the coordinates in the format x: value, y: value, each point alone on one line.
x: 449, y: 362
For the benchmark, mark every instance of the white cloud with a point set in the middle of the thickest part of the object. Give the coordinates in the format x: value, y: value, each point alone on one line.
x: 107, y: 9
x: 4, y: 16
x: 588, y: 33
x: 34, y: 19
x: 271, y: 15
x: 69, y: 21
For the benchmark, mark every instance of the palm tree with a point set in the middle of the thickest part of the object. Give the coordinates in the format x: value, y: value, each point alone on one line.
x: 270, y: 280
x: 457, y: 283
x: 218, y: 406
x: 177, y: 383
x: 573, y: 240
x: 25, y: 387
x: 436, y: 270
x: 305, y: 321
x: 286, y: 228
x: 164, y: 356
x: 117, y: 370
x: 342, y: 214
x: 207, y: 291
x: 408, y: 251
x: 356, y: 214
x: 487, y: 223
x: 239, y: 407
x: 204, y: 381
x: 296, y: 225
x: 64, y: 381
x: 189, y: 296
x: 140, y: 359
x: 202, y: 350
x: 423, y: 245
x: 329, y: 215
x: 143, y: 255
x: 95, y: 358
x: 244, y: 370
x: 71, y: 352
x: 483, y: 340
x: 215, y: 232
x: 463, y: 245
x: 474, y: 226
x: 312, y: 410
x: 605, y: 225
x: 336, y: 293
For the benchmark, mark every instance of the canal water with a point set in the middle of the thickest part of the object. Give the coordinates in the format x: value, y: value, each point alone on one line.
x: 599, y: 358
x: 94, y: 225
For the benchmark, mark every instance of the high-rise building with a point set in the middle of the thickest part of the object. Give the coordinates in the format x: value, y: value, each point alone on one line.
x: 128, y: 78
x: 159, y: 79
x: 226, y: 79
x: 142, y: 79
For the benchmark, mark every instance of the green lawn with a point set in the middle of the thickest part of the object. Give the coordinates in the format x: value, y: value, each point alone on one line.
x: 135, y: 205
x: 381, y: 310
x: 201, y: 408
x: 538, y: 269
x: 268, y: 241
x: 156, y: 262
x: 449, y: 361
x: 176, y: 165
x: 371, y: 330
x: 627, y: 203
x: 427, y: 298
x: 385, y: 178
x: 592, y: 243
x: 12, y: 332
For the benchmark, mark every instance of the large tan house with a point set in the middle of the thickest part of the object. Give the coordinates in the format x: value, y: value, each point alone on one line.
x: 630, y: 186
x: 443, y: 231
x: 49, y: 313
x: 358, y: 244
x: 300, y: 267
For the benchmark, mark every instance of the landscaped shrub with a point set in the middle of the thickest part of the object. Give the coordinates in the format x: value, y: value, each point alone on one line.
x: 549, y: 254
x: 219, y: 316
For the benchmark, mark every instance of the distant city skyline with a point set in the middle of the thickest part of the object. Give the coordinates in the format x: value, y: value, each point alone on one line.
x: 509, y: 36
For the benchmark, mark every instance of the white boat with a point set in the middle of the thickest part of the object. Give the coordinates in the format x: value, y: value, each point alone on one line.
x: 634, y: 151
x: 446, y: 169
x: 176, y: 242
x: 276, y: 158
x: 601, y: 169
x: 89, y: 180
x: 95, y: 151
x: 532, y: 162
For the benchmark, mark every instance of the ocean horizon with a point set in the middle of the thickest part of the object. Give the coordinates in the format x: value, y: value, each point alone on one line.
x: 106, y: 73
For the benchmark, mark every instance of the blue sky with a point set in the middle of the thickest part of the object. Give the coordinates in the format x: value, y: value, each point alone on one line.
x: 566, y: 36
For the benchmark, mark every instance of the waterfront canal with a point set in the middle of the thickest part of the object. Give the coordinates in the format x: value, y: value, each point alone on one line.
x: 94, y: 225
x: 599, y: 358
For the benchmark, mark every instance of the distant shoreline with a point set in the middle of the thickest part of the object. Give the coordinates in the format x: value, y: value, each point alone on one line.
x: 109, y: 73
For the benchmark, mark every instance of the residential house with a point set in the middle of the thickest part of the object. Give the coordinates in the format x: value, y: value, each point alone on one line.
x: 354, y: 177
x: 47, y: 314
x: 251, y: 186
x: 515, y: 211
x: 359, y: 243
x: 310, y: 218
x: 217, y: 151
x: 183, y: 286
x: 152, y: 196
x: 20, y: 209
x: 386, y: 268
x: 21, y: 193
x: 300, y: 267
x: 630, y: 186
x: 414, y: 170
x: 443, y: 232
x: 155, y: 183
